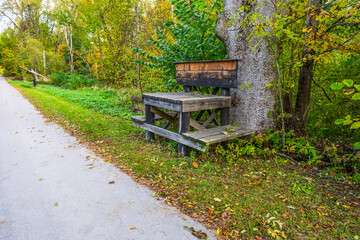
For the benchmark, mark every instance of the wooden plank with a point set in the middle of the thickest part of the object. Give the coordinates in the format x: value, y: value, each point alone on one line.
x: 222, y: 79
x: 196, y: 125
x: 208, y: 61
x: 209, y: 132
x: 192, y: 105
x: 208, y: 65
x: 173, y: 136
x: 162, y: 114
x: 216, y: 134
x: 162, y: 104
x: 222, y: 137
x: 187, y: 102
x: 173, y: 97
x: 212, y: 116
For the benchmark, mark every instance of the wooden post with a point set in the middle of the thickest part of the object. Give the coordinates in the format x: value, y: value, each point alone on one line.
x: 184, y: 126
x: 225, y: 112
x: 149, y: 119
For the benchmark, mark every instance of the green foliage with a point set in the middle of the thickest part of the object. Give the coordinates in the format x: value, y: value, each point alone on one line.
x: 312, y: 152
x: 354, y: 93
x: 72, y: 81
x: 190, y: 37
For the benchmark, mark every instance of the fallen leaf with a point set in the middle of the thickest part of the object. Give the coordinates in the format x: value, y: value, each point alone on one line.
x: 308, y: 179
x: 2, y: 222
x: 332, y: 173
x: 56, y: 204
x: 217, y: 199
x: 40, y: 179
x: 112, y: 182
x: 131, y: 227
x: 197, y: 233
x: 195, y: 165
x: 224, y: 215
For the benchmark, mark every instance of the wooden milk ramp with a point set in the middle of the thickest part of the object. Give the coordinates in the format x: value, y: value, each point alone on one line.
x: 176, y: 107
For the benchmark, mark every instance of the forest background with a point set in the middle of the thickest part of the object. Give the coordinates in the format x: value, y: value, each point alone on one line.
x: 133, y: 44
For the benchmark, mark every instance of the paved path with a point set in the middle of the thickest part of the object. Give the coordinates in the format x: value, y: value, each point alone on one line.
x: 41, y: 166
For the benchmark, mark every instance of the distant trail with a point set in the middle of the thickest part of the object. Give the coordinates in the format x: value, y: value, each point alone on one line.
x: 51, y: 187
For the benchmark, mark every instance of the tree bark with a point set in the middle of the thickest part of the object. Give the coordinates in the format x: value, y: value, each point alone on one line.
x: 251, y: 108
x: 306, y: 71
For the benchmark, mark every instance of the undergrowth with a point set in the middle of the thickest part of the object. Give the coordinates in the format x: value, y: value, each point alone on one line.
x: 243, y: 192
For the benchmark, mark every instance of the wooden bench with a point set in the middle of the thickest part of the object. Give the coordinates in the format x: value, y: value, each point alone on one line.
x: 220, y: 76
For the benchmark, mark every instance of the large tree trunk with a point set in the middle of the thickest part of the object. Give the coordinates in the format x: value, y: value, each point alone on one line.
x: 251, y: 108
x: 306, y: 71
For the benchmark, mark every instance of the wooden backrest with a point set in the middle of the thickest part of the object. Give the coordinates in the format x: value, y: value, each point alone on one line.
x: 219, y: 74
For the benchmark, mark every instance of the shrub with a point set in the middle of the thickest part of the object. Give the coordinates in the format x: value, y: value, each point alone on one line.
x: 72, y: 81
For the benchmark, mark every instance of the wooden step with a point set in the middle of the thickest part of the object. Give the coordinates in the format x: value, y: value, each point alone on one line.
x: 217, y: 134
x: 141, y: 119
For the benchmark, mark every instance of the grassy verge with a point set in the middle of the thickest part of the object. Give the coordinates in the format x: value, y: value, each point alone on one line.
x: 238, y: 197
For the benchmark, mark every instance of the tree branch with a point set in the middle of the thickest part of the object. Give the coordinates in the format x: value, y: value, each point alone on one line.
x: 338, y: 46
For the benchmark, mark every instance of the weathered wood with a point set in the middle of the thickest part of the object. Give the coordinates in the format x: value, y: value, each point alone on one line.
x: 192, y: 105
x: 171, y: 135
x: 162, y: 114
x: 184, y: 127
x: 201, y: 113
x: 163, y: 104
x: 211, y: 131
x: 230, y: 64
x: 208, y: 74
x: 176, y: 97
x: 167, y: 125
x: 211, y: 117
x: 225, y: 79
x: 186, y: 102
x: 225, y: 112
x: 207, y: 61
x: 196, y: 125
x: 222, y: 137
x: 150, y: 119
x: 217, y: 74
x: 46, y: 79
x: 218, y: 134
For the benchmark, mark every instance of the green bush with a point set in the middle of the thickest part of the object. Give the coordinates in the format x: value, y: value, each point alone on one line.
x: 71, y: 81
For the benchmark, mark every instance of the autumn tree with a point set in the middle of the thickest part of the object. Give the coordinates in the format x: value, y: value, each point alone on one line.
x: 253, y: 102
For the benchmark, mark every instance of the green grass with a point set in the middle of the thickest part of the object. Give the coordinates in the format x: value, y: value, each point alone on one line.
x: 116, y: 103
x: 241, y: 197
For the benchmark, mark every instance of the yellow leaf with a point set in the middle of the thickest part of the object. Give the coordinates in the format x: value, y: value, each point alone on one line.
x: 131, y: 227
x: 195, y: 165
x: 218, y: 231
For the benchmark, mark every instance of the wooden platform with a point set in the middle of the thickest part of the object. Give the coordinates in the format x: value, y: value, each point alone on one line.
x: 186, y: 101
x: 199, y: 140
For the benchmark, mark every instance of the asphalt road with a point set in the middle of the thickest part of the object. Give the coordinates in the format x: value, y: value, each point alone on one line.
x: 52, y: 187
